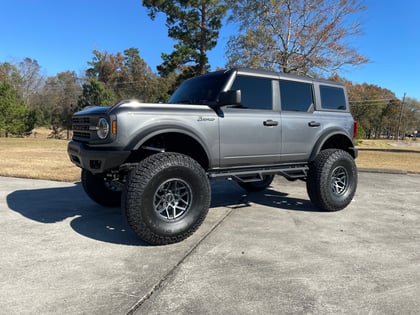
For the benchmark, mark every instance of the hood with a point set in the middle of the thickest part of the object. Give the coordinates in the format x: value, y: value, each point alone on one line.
x: 93, y: 110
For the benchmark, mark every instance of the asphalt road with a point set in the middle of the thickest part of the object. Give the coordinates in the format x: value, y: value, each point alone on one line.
x: 262, y: 253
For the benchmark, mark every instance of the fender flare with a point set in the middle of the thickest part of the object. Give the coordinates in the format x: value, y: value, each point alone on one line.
x: 153, y: 131
x: 327, y: 135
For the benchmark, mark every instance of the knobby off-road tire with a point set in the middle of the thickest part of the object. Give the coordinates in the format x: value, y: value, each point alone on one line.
x: 332, y: 180
x: 166, y: 198
x: 99, y: 191
x: 259, y: 185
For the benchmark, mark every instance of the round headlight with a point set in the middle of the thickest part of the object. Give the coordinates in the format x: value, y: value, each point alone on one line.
x: 103, y: 128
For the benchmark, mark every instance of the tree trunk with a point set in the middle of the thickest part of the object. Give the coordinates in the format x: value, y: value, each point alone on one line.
x: 203, y: 50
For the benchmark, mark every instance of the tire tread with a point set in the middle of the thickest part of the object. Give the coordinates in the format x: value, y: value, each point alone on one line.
x: 136, y: 183
x: 318, y: 183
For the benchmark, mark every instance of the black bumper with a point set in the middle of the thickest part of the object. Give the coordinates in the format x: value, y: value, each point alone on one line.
x: 95, y: 161
x: 355, y: 152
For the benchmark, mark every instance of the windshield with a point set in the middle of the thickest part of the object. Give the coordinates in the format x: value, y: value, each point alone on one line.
x: 200, y: 90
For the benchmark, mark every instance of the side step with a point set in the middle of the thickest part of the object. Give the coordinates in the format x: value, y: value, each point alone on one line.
x: 254, y: 174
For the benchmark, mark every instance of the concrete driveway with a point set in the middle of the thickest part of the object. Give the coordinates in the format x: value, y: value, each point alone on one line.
x: 262, y: 253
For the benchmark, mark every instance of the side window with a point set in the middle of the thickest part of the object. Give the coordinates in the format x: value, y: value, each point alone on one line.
x: 296, y: 96
x: 256, y: 92
x: 332, y: 97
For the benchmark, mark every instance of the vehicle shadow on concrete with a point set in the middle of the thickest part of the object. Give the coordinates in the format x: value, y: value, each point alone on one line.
x: 229, y: 194
x: 52, y: 205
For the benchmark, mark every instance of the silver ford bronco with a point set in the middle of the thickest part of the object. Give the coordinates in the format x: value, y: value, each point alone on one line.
x: 155, y: 160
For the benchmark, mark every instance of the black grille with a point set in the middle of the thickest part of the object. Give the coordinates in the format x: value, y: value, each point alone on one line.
x: 79, y: 134
x: 81, y: 120
x: 81, y: 127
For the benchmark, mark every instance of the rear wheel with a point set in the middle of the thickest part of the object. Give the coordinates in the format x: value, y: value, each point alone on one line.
x: 100, y: 190
x: 332, y: 180
x: 257, y: 185
x: 166, y: 198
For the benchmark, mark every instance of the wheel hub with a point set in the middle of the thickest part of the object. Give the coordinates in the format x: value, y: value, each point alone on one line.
x: 339, y: 181
x: 172, y: 199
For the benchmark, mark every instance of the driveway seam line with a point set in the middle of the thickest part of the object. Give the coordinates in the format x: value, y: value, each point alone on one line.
x: 171, y: 271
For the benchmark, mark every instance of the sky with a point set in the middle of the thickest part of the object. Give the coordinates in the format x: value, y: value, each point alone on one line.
x: 61, y: 35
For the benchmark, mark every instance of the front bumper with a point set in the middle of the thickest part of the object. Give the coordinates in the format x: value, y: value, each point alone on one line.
x: 96, y: 161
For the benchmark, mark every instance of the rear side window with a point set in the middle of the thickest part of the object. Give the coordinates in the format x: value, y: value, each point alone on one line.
x: 332, y: 97
x: 295, y: 96
x: 256, y: 93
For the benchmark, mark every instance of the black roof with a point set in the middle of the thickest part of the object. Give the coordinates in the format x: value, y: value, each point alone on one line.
x: 273, y: 75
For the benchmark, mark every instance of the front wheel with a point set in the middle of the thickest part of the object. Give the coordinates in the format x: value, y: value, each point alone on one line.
x: 332, y: 180
x: 101, y: 191
x: 166, y: 198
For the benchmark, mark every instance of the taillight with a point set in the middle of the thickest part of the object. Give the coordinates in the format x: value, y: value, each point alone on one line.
x: 355, y: 127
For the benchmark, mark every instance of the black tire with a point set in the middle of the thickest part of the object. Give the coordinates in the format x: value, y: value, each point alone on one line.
x: 332, y: 180
x: 166, y: 198
x: 99, y: 191
x: 259, y: 185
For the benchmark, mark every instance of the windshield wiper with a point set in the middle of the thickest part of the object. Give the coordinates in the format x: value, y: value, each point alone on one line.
x: 186, y: 101
x: 196, y: 102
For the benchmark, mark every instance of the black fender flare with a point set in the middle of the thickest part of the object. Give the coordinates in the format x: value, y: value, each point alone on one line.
x: 328, y: 135
x: 145, y: 135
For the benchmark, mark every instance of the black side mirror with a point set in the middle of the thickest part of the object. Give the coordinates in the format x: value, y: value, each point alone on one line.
x: 231, y: 97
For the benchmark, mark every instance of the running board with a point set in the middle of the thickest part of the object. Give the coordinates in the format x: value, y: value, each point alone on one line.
x: 252, y: 175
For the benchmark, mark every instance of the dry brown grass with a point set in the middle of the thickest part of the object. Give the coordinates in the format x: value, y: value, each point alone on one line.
x: 401, y: 161
x: 390, y: 155
x: 43, y: 158
x: 39, y: 158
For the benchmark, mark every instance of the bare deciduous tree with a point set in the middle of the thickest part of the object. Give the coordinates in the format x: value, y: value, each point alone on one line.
x: 295, y: 36
x: 32, y: 80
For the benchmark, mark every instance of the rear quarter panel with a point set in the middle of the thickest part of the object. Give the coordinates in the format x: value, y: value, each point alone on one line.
x: 299, y: 139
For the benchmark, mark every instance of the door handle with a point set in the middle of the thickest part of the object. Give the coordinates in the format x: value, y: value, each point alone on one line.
x: 269, y: 123
x: 314, y: 124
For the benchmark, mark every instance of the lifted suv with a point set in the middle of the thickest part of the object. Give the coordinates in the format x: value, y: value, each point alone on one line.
x: 155, y: 159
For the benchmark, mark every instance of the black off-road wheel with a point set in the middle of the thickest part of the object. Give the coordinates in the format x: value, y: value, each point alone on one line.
x: 332, y: 180
x: 101, y: 191
x: 258, y: 185
x: 166, y: 198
